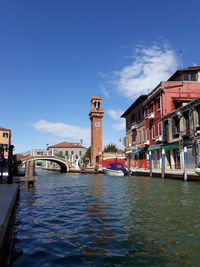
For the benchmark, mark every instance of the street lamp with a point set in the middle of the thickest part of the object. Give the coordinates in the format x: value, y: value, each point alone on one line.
x: 81, y: 141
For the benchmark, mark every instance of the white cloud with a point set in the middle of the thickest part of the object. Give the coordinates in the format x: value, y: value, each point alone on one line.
x: 150, y: 66
x: 105, y: 92
x: 120, y: 126
x: 60, y: 129
x: 116, y: 114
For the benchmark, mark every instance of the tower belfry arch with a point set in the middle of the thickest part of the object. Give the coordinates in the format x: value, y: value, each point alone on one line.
x: 96, y: 116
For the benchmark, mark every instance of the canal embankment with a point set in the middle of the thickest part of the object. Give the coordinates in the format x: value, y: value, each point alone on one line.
x: 8, y: 205
x: 171, y: 174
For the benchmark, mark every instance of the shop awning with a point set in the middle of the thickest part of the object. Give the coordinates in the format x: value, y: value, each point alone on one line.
x: 154, y: 147
x: 136, y: 151
x: 170, y: 146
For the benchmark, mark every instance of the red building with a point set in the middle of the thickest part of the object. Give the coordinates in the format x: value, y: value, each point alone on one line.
x: 182, y: 87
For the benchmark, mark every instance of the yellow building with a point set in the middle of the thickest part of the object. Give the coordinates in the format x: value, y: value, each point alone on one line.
x: 5, y: 140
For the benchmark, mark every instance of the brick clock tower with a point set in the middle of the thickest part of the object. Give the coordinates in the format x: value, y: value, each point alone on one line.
x: 96, y: 115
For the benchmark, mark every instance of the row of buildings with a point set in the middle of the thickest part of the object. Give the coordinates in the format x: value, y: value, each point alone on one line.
x: 167, y: 120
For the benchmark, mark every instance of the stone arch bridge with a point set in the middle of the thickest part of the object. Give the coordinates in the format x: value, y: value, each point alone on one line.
x: 65, y: 165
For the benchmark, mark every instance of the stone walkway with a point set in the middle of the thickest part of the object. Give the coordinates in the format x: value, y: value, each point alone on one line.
x: 8, y: 201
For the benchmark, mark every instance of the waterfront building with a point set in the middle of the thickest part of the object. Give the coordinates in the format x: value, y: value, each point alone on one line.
x: 5, y: 140
x: 114, y: 157
x: 66, y: 150
x: 181, y: 129
x: 96, y: 116
x: 181, y: 88
x: 135, y: 146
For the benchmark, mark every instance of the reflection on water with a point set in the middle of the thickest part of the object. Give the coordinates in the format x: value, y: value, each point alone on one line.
x: 97, y: 220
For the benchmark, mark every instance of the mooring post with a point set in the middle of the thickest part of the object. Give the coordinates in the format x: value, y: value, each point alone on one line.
x: 150, y: 163
x: 163, y: 163
x: 185, y: 163
x: 27, y: 169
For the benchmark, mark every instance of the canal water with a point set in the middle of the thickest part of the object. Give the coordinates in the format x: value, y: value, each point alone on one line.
x: 97, y: 220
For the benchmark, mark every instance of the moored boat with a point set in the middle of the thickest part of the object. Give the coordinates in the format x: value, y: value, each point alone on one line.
x: 116, y: 169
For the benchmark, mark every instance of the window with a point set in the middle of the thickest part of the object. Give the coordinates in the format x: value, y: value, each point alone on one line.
x: 187, y: 121
x: 165, y: 130
x: 198, y: 111
x: 138, y: 137
x: 72, y: 152
x: 179, y: 78
x: 80, y: 153
x: 193, y: 77
x: 186, y: 77
x: 152, y: 107
x: 160, y: 128
x: 153, y: 132
x: 5, y: 135
x: 144, y: 134
x: 147, y: 134
x: 175, y: 126
x: 158, y: 103
x: 146, y: 111
x: 133, y: 118
x: 4, y: 147
x: 134, y: 135
x: 66, y: 153
x: 139, y: 115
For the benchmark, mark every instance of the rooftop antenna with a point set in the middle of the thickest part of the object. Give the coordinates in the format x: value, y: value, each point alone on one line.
x: 181, y: 58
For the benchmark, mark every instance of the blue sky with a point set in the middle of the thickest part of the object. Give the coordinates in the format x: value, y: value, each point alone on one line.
x: 55, y: 55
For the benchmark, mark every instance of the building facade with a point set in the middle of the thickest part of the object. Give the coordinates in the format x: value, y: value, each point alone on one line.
x: 136, y: 134
x: 181, y: 88
x: 5, y: 140
x: 181, y: 132
x: 169, y: 123
x: 73, y: 152
x: 69, y: 151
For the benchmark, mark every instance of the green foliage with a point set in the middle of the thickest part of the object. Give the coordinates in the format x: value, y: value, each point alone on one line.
x: 110, y: 148
x: 87, y: 154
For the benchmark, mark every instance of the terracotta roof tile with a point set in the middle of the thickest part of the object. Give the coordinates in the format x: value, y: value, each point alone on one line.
x: 4, y: 129
x: 66, y: 144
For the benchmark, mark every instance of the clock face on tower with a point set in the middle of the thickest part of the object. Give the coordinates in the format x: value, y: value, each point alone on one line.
x: 97, y: 124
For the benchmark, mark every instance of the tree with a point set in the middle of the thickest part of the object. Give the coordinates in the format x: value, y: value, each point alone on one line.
x: 110, y: 148
x: 87, y: 154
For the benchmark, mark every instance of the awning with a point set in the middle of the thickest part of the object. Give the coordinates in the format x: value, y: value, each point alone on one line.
x: 154, y: 147
x: 170, y: 146
x: 136, y: 151
x: 129, y: 151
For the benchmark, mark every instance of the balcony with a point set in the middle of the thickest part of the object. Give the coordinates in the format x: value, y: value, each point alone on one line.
x: 185, y: 133
x: 146, y: 142
x: 158, y: 138
x: 133, y: 125
x: 151, y: 116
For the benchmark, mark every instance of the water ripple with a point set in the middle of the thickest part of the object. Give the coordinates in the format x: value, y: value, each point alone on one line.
x: 94, y: 220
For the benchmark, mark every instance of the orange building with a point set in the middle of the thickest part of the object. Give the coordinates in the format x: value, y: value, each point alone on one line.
x: 5, y: 140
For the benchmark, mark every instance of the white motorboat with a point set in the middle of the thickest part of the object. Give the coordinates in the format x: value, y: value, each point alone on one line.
x: 116, y: 169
